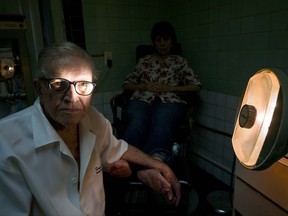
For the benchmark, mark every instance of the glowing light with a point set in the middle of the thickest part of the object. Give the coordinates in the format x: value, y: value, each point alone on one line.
x: 262, y: 93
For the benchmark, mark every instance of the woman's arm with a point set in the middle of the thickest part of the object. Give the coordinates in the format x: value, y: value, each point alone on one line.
x: 187, y: 88
x: 134, y: 87
x: 160, y: 87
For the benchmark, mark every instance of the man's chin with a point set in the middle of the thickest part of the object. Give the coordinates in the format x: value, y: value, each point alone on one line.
x: 70, y: 120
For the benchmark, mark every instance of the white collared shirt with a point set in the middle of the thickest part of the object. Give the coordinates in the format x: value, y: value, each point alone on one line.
x: 38, y: 174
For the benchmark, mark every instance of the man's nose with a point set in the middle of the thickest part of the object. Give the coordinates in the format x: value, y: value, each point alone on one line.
x: 71, y: 94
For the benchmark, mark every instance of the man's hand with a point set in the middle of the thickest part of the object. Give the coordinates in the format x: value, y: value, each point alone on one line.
x: 154, y: 179
x: 136, y: 156
x: 120, y: 168
x: 169, y: 175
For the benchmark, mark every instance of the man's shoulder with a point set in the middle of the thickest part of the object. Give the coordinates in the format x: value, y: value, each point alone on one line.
x: 14, y: 116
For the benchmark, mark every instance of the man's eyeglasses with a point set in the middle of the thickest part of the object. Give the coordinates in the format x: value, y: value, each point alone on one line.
x: 61, y: 86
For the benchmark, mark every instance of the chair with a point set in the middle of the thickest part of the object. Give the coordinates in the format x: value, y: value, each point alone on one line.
x: 135, y: 191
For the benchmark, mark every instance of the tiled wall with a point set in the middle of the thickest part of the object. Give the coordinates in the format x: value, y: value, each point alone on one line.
x: 102, y: 102
x: 226, y: 41
x: 211, y: 147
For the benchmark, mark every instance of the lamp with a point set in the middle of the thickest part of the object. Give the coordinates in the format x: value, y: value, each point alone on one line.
x: 7, y: 68
x: 261, y: 128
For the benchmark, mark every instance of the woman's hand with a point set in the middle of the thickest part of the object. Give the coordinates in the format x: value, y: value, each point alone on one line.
x: 158, y: 87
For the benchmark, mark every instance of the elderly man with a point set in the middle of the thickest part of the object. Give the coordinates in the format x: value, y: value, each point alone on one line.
x: 53, y: 153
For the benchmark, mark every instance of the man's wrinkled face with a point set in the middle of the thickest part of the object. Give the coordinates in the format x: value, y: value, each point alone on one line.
x: 66, y: 109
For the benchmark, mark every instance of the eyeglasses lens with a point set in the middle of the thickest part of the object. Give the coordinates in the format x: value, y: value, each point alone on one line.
x: 59, y: 86
x: 84, y: 87
x: 62, y: 86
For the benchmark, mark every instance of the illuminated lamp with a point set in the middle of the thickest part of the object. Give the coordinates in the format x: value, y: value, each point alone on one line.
x: 260, y: 135
x: 7, y: 68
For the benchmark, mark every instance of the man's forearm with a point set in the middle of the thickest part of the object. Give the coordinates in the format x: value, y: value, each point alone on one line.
x: 138, y: 157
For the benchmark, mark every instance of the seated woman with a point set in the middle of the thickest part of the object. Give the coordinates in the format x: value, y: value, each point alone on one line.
x: 155, y: 108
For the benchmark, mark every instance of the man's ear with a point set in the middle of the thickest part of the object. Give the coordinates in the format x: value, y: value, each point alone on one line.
x: 38, y: 88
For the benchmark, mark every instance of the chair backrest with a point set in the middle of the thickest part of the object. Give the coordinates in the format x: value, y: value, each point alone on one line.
x: 142, y: 50
x: 118, y: 103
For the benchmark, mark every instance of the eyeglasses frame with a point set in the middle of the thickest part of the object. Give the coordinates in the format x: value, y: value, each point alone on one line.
x: 70, y: 83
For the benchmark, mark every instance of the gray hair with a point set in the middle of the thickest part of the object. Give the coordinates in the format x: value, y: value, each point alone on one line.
x: 49, y: 58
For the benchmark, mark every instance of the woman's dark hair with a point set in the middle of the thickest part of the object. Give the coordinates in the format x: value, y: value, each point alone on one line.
x: 163, y: 28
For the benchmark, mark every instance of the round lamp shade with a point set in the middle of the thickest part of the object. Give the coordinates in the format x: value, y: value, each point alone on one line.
x: 7, y: 68
x: 260, y: 135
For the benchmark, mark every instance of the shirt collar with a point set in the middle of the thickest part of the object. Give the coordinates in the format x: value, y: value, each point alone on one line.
x: 43, y: 131
x: 45, y: 134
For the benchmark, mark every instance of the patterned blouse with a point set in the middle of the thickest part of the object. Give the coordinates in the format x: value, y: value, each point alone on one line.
x: 176, y: 71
